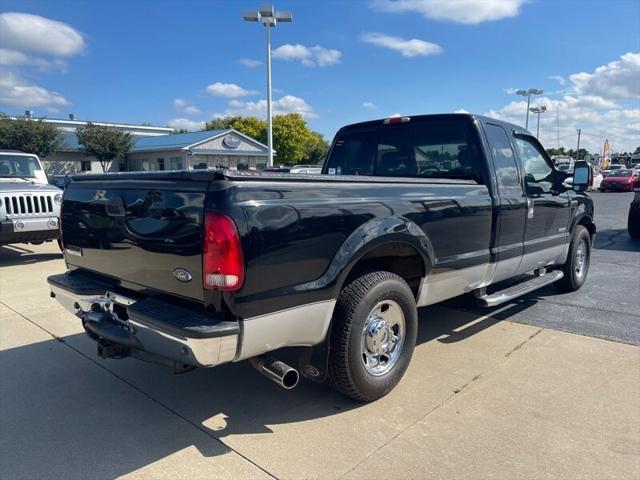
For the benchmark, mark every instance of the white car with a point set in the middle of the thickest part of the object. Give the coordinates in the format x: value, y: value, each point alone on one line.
x: 29, y: 206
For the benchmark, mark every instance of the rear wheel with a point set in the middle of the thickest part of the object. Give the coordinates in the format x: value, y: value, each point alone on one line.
x: 633, y: 223
x: 373, y: 335
x: 577, y: 265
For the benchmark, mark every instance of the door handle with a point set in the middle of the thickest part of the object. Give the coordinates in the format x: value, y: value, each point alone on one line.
x: 530, y: 208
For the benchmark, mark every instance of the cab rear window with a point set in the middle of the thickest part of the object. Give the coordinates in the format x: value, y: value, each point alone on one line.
x: 436, y: 149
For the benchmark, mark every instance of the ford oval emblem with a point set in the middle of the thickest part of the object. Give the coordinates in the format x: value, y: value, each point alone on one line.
x: 182, y: 275
x: 231, y: 142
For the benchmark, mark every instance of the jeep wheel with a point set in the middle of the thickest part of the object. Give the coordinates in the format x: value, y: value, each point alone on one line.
x: 375, y: 323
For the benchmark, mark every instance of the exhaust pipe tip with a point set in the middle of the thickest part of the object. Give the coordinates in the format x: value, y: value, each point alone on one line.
x: 276, y: 371
x: 290, y: 379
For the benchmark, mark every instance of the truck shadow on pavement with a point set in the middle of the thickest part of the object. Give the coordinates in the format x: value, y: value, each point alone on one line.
x: 11, y: 255
x: 68, y: 414
x: 616, y: 239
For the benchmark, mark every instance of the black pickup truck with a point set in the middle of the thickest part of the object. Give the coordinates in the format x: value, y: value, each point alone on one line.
x: 200, y: 268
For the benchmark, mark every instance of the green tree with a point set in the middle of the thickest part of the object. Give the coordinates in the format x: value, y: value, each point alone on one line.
x: 636, y: 151
x: 251, y: 126
x: 315, y: 148
x: 104, y: 143
x: 290, y: 136
x: 219, y: 123
x: 29, y: 135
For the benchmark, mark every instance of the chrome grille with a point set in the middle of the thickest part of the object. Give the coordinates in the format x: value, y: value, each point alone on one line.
x: 25, y: 205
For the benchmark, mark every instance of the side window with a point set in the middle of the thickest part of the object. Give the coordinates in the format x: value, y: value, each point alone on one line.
x: 504, y: 160
x: 538, y: 173
x: 353, y: 154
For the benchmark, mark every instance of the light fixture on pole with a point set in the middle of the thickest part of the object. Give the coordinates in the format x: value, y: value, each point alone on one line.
x: 538, y: 110
x: 269, y: 18
x: 528, y: 93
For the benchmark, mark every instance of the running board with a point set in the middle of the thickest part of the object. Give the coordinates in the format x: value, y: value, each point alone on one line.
x: 518, y: 290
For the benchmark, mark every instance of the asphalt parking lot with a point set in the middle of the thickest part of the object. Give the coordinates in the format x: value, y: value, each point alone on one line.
x: 547, y: 387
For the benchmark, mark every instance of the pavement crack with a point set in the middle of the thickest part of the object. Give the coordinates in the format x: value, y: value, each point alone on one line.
x: 142, y: 392
x: 522, y: 344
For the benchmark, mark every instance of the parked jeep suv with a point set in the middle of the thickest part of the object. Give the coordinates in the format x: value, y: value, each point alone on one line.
x: 29, y: 206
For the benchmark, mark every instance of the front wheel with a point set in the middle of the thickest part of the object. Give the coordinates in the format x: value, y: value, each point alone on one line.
x: 374, y: 329
x: 577, y: 265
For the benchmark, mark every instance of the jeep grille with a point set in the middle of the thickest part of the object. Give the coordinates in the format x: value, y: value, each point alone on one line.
x: 21, y: 205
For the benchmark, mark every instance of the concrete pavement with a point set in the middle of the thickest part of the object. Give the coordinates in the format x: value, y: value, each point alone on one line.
x: 483, y: 397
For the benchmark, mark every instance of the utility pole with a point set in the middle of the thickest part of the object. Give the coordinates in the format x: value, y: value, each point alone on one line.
x: 558, y: 124
x: 528, y: 93
x: 269, y: 18
x: 578, y: 149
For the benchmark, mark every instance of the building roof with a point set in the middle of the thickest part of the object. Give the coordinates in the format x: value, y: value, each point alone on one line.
x: 70, y: 125
x: 174, y: 142
x: 158, y: 143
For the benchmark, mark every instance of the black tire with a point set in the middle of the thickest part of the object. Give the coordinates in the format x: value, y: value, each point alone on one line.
x: 355, y: 305
x: 575, y: 272
x: 633, y: 225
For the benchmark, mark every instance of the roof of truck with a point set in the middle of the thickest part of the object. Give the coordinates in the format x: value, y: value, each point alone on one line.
x: 418, y: 118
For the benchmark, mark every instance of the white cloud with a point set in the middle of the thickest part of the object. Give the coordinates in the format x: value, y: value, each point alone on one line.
x: 407, y: 48
x: 28, y: 42
x: 284, y: 105
x: 393, y: 115
x: 618, y: 79
x: 191, y: 125
x: 229, y: 90
x: 458, y: 11
x: 558, y: 78
x: 183, y: 106
x: 369, y: 105
x: 17, y: 92
x: 309, y: 56
x: 603, y: 104
x: 250, y: 63
x: 460, y: 110
x: 24, y: 32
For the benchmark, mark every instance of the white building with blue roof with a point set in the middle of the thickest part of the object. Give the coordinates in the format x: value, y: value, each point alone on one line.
x: 227, y: 148
x: 159, y: 148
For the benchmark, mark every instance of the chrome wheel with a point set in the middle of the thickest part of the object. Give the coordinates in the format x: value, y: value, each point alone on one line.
x: 382, y: 337
x: 582, y: 259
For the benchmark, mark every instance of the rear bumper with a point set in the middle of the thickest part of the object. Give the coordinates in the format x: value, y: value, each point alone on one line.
x: 145, y: 325
x: 29, y: 230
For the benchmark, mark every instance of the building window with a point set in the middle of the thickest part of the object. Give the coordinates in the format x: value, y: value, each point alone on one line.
x: 176, y: 163
x: 161, y: 164
x: 242, y: 164
x: 85, y: 165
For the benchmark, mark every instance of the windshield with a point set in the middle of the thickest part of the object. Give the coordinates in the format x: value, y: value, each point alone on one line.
x: 18, y: 166
x: 620, y: 173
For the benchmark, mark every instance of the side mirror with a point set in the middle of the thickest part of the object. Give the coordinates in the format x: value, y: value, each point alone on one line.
x: 581, y: 176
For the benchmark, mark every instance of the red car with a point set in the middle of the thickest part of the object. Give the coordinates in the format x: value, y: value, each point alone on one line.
x: 619, y: 181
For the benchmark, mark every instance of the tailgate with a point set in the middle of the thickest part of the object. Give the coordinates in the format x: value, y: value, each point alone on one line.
x: 137, y: 231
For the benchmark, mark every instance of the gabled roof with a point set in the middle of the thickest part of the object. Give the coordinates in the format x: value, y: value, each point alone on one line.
x: 174, y: 142
x: 157, y: 143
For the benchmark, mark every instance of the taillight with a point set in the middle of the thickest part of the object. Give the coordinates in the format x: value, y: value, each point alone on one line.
x: 222, y: 259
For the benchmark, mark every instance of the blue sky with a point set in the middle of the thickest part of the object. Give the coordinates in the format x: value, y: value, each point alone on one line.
x: 129, y: 61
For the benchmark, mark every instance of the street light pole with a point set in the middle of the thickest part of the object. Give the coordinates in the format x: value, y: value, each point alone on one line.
x: 538, y: 110
x: 269, y: 120
x: 528, y: 93
x: 269, y: 18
